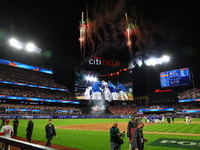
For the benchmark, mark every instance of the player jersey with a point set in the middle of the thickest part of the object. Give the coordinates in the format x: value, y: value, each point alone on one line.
x: 111, y: 88
x: 121, y: 88
x: 7, y: 130
x: 96, y: 87
x: 88, y: 89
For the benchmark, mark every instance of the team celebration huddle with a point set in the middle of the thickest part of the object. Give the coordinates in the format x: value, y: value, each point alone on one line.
x: 102, y: 90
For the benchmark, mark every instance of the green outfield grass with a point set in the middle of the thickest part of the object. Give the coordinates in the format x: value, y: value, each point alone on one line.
x: 99, y: 140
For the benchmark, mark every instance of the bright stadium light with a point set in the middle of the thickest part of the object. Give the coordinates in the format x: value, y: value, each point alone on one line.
x: 92, y: 79
x: 19, y: 45
x: 30, y: 47
x: 155, y: 61
x: 151, y: 62
x: 165, y: 58
x: 16, y: 44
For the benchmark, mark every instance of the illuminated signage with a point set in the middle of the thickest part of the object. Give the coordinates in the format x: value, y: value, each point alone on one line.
x: 24, y: 66
x: 159, y: 90
x: 100, y: 61
x: 37, y: 99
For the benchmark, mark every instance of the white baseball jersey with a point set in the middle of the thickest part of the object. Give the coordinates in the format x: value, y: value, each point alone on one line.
x: 7, y: 130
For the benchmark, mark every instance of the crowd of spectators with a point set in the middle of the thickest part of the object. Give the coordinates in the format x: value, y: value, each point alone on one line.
x: 15, y: 74
x: 26, y: 109
x: 187, y: 106
x: 189, y: 94
x: 16, y: 90
x: 122, y: 110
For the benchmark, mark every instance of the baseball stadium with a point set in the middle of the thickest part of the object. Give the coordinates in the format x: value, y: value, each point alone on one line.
x: 84, y: 124
x: 110, y: 75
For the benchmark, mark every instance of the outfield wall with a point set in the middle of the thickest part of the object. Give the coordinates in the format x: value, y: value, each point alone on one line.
x: 61, y: 116
x: 82, y: 116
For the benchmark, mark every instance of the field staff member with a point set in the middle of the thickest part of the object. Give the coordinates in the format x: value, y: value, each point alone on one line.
x: 29, y: 130
x: 50, y: 132
x: 3, y: 121
x: 7, y: 131
x: 138, y: 138
x: 15, y: 126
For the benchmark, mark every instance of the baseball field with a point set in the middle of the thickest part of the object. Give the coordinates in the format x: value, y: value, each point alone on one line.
x: 93, y: 134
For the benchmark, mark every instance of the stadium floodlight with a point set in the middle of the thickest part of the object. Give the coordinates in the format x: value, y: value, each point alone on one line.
x: 151, y: 62
x: 19, y: 45
x: 30, y: 47
x: 92, y: 79
x: 154, y: 61
x: 165, y: 58
x: 16, y: 44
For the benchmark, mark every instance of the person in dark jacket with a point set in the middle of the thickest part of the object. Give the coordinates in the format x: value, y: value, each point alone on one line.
x: 2, y: 122
x: 29, y: 130
x: 114, y: 137
x: 131, y: 126
x: 50, y: 132
x: 138, y: 138
x: 15, y: 126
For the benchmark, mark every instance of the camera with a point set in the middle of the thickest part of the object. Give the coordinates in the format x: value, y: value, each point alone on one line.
x: 122, y: 134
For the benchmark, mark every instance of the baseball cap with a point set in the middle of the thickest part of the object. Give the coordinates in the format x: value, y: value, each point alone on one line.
x: 7, y: 121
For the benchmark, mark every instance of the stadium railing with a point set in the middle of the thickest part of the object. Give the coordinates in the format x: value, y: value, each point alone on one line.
x: 24, y: 145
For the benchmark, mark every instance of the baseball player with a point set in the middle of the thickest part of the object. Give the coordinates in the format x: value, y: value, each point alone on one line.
x: 96, y: 87
x: 122, y: 91
x: 190, y: 119
x: 88, y: 92
x: 106, y: 92
x: 112, y: 90
x: 7, y: 131
x: 187, y: 120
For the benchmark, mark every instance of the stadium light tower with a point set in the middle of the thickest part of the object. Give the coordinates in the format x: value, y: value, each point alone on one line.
x: 28, y: 47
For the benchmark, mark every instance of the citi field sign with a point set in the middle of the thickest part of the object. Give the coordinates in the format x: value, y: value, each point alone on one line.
x: 99, y: 61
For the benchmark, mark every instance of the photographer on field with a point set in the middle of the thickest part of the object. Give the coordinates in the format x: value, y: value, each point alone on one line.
x: 115, y: 140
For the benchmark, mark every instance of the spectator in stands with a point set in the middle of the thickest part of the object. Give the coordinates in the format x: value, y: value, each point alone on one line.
x: 50, y: 132
x: 7, y: 131
x: 15, y: 126
x: 29, y: 129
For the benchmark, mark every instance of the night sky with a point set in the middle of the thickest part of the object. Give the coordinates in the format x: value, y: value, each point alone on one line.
x: 161, y: 27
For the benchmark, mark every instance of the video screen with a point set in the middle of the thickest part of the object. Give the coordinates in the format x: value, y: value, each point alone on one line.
x: 102, y: 82
x: 176, y: 77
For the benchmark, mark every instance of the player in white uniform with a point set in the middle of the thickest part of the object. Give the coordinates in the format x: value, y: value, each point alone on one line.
x: 106, y: 92
x: 7, y: 131
x: 190, y: 119
x: 88, y: 93
x: 187, y: 119
x: 163, y: 119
